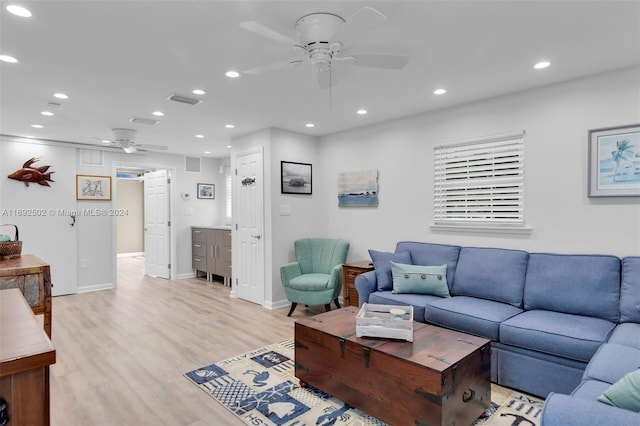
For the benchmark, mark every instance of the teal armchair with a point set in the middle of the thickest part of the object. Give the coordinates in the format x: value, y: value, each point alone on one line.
x: 316, y: 276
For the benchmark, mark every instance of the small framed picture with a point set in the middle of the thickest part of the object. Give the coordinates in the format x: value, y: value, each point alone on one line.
x: 207, y: 191
x: 296, y: 178
x: 614, y: 161
x: 90, y: 187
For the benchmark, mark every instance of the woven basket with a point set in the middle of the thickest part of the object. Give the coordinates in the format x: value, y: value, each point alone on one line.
x: 11, y: 249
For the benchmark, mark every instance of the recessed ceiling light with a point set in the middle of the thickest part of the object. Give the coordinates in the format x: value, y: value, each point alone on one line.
x: 19, y: 11
x: 228, y: 146
x: 207, y: 152
x: 541, y: 65
x: 47, y: 113
x: 309, y: 125
x: 9, y: 59
x: 198, y: 92
x: 229, y: 126
x: 232, y: 74
x: 37, y: 126
x: 199, y: 136
x: 158, y: 113
x: 60, y: 96
x: 439, y: 91
x: 361, y: 111
x: 105, y: 141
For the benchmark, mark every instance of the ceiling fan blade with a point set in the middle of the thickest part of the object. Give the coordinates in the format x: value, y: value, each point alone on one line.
x: 266, y: 32
x: 272, y: 67
x: 378, y: 60
x: 152, y: 147
x: 327, y: 78
x: 358, y: 25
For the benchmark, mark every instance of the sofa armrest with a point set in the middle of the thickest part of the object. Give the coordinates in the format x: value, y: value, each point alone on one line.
x: 565, y: 410
x: 365, y: 285
x: 289, y: 271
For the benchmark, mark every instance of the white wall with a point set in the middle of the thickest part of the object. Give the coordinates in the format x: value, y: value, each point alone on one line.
x: 306, y: 218
x: 130, y: 226
x: 556, y: 119
x: 94, y: 236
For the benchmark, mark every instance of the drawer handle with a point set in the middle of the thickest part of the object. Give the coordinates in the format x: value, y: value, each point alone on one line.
x: 197, y: 259
x: 468, y: 395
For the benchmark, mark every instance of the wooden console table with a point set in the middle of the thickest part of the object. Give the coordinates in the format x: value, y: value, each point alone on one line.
x: 33, y: 277
x: 25, y: 356
x: 349, y: 273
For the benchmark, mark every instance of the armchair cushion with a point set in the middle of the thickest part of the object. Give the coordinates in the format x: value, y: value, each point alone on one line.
x: 310, y: 282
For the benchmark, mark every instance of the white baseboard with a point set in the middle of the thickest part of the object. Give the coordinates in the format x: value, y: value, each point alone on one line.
x: 277, y: 304
x: 185, y: 276
x: 95, y: 287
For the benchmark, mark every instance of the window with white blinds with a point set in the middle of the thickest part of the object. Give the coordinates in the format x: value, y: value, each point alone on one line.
x: 479, y: 183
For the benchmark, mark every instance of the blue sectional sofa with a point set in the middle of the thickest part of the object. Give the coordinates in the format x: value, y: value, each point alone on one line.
x: 560, y: 324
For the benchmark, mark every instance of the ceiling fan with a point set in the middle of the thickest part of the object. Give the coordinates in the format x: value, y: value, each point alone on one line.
x: 325, y: 39
x: 124, y: 138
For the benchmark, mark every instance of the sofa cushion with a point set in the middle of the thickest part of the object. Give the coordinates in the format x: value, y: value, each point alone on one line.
x: 611, y: 362
x: 470, y: 315
x: 490, y: 273
x: 566, y: 335
x: 432, y: 254
x: 419, y: 301
x: 586, y: 285
x: 627, y: 334
x: 419, y: 279
x: 630, y: 290
x: 590, y: 389
x: 383, y: 268
x: 625, y: 393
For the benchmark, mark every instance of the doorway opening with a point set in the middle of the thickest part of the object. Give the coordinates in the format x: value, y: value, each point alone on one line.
x: 142, y: 231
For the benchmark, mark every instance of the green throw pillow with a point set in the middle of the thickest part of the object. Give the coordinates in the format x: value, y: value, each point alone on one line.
x: 419, y: 279
x: 625, y: 393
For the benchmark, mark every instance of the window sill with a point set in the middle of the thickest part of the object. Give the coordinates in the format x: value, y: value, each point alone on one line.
x: 484, y: 229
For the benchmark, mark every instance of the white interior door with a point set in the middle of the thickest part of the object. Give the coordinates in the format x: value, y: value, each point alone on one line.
x: 157, y: 252
x: 248, y: 249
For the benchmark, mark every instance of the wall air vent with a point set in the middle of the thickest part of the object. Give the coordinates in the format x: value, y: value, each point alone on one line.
x: 192, y: 164
x: 147, y: 121
x: 184, y: 99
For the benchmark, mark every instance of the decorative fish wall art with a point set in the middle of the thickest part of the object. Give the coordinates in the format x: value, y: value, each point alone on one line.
x: 31, y: 174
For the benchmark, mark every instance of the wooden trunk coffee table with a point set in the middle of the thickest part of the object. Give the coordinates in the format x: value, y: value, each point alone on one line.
x: 441, y: 378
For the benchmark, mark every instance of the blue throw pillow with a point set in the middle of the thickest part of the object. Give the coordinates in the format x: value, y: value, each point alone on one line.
x: 625, y: 393
x: 383, y: 268
x: 420, y: 279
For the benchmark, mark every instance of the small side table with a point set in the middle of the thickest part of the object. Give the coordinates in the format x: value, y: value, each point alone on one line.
x: 349, y: 273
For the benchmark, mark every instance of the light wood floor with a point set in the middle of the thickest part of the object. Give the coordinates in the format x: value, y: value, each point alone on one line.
x: 121, y: 354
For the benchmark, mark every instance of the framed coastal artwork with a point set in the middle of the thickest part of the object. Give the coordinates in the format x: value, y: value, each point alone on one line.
x: 207, y: 191
x: 614, y: 161
x: 90, y: 187
x: 295, y: 178
x: 358, y: 189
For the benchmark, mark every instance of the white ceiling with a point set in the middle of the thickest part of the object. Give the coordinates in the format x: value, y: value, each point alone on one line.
x: 119, y: 59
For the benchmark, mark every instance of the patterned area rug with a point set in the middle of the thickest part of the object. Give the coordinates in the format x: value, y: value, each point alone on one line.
x: 260, y: 388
